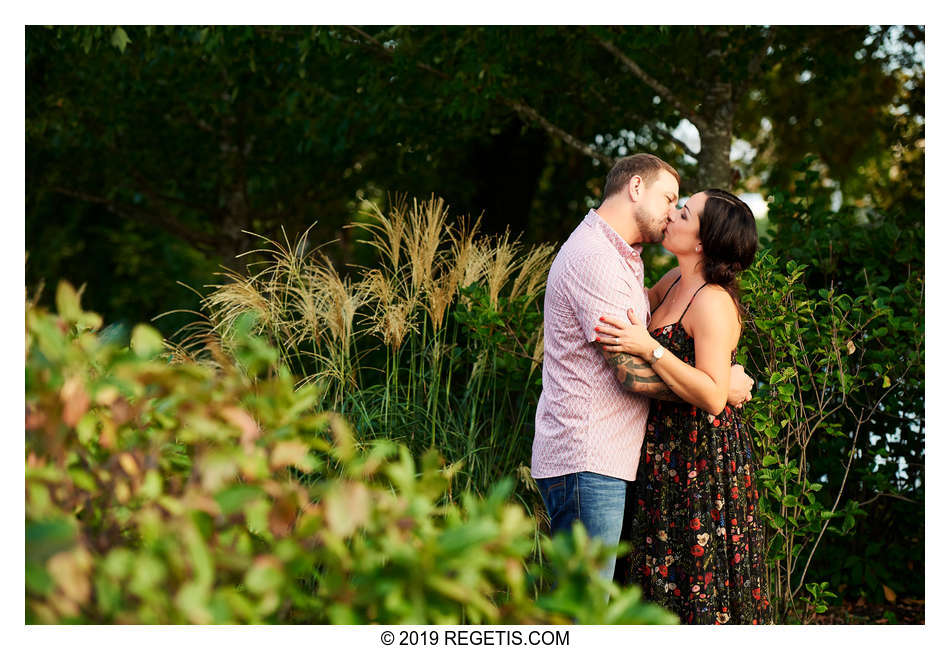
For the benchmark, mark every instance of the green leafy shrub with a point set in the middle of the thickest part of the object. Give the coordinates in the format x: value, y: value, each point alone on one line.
x: 179, y: 493
x: 873, y: 248
x: 808, y: 349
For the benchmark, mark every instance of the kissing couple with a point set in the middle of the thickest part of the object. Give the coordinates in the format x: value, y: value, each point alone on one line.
x: 639, y: 432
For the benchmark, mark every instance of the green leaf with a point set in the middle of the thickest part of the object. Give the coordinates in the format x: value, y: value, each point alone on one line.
x: 147, y: 342
x: 67, y: 302
x: 233, y: 498
x: 264, y: 576
x: 120, y: 39
x: 46, y: 538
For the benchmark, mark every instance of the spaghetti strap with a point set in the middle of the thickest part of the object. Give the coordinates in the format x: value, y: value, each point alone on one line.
x: 691, y: 302
x: 667, y: 293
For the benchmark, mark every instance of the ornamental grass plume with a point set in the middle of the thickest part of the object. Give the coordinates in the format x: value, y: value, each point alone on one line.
x: 393, y: 304
x: 266, y: 293
x: 198, y: 337
x: 499, y: 265
x: 426, y: 226
x: 439, y: 292
x: 328, y: 302
x: 537, y: 356
x: 241, y: 295
x: 387, y: 234
x: 464, y: 251
x: 307, y: 301
x: 533, y: 275
x: 473, y: 258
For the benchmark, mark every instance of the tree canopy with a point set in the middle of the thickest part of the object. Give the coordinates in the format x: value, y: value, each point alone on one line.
x: 163, y: 144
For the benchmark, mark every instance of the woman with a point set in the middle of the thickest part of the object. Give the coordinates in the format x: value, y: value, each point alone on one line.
x: 696, y: 536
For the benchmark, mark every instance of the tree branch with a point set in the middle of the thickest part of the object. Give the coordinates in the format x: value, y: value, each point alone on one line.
x: 755, y: 63
x: 524, y: 111
x: 169, y: 222
x: 383, y: 49
x: 149, y: 190
x: 661, y: 90
x: 685, y: 147
x: 877, y: 496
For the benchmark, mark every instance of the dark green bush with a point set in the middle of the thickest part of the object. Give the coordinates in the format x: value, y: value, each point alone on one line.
x: 834, y: 334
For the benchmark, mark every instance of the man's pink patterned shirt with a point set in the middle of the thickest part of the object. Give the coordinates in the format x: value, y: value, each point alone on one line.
x: 586, y: 421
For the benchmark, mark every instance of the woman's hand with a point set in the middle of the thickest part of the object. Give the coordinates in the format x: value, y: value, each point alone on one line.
x: 632, y: 337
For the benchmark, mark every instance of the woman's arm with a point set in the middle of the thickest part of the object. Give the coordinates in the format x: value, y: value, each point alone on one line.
x: 715, y: 325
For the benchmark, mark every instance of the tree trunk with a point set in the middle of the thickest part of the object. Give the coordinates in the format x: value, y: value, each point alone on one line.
x: 714, y: 169
x: 717, y: 111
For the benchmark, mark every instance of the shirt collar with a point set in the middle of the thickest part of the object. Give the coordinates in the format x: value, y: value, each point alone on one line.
x: 628, y: 252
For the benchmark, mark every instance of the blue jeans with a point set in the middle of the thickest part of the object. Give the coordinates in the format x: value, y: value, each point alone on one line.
x: 597, y: 501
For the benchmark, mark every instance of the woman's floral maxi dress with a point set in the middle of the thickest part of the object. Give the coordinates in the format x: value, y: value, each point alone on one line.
x: 698, y: 543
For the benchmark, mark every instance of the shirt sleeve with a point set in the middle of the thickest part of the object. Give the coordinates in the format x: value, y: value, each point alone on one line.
x: 600, y: 286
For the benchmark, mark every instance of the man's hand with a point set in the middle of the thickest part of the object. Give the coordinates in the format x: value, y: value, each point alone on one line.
x: 740, y: 386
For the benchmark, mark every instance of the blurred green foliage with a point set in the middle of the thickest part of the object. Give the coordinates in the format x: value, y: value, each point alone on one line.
x: 173, y: 493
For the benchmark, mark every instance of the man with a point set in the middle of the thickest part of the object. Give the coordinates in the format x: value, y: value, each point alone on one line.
x: 591, y: 416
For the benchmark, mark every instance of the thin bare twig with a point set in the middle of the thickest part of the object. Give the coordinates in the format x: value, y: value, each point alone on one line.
x: 523, y: 110
x: 661, y: 90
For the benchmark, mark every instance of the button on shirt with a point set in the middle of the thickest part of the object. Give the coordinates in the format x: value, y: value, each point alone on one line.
x: 586, y: 421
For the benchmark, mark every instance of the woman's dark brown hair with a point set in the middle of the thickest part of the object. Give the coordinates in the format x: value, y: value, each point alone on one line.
x: 729, y: 238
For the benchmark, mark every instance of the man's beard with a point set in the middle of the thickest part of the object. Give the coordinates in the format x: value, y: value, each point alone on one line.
x: 651, y: 230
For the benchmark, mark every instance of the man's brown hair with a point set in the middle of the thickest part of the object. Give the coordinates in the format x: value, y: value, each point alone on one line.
x: 644, y: 165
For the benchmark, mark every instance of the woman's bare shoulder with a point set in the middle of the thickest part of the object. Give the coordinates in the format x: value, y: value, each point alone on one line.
x: 713, y: 305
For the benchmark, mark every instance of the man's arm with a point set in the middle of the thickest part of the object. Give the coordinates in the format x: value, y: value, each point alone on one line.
x: 637, y: 376
x: 595, y: 291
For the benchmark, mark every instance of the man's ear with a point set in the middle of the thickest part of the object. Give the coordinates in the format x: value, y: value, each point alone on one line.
x: 635, y: 188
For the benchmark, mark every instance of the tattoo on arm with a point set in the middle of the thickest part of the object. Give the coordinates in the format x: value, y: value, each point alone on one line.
x: 637, y: 376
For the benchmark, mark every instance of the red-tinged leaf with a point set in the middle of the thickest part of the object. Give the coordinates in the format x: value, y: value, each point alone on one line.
x: 889, y: 594
x: 128, y: 464
x: 35, y: 419
x: 347, y: 507
x: 75, y: 400
x: 291, y: 452
x: 243, y: 421
x: 107, y: 437
x: 121, y: 411
x: 70, y: 571
x: 283, y: 515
